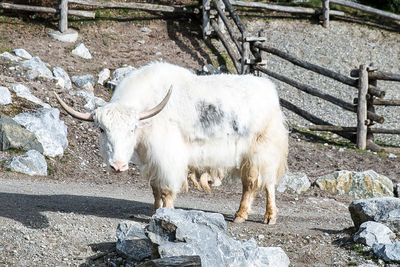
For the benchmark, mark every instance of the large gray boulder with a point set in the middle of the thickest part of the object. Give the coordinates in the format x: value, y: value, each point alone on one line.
x: 12, y: 135
x: 371, y: 233
x: 33, y: 163
x: 388, y: 252
x: 358, y: 184
x: 385, y: 210
x: 294, y: 182
x: 177, y: 232
x: 49, y: 129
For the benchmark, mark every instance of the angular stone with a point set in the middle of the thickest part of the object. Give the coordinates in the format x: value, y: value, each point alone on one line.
x: 59, y: 72
x: 33, y: 163
x: 20, y: 52
x: 81, y: 81
x: 358, y: 184
x: 103, y: 76
x: 294, y: 182
x: 10, y: 57
x: 12, y: 135
x: 24, y: 92
x: 132, y: 242
x: 69, y: 36
x: 82, y: 51
x: 371, y: 233
x: 177, y: 232
x: 49, y: 129
x: 388, y: 252
x: 92, y: 102
x: 36, y: 69
x: 118, y: 75
x: 378, y: 209
x: 5, y: 96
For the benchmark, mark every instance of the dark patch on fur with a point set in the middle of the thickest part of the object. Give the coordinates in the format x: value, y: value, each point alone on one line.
x: 210, y: 115
x: 238, y: 129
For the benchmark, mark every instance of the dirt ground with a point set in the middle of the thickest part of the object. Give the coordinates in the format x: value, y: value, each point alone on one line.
x: 70, y: 216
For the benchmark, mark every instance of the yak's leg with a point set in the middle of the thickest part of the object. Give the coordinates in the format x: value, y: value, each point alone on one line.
x: 167, y: 197
x: 192, y: 177
x: 250, y: 186
x: 204, y: 178
x: 272, y: 210
x: 157, y: 197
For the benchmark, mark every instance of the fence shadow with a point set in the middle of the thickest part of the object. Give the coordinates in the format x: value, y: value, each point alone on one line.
x: 28, y: 209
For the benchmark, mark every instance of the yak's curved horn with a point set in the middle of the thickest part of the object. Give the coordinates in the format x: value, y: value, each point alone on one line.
x: 154, y: 111
x: 74, y: 113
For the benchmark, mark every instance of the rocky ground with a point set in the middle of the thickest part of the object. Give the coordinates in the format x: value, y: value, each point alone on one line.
x: 69, y: 217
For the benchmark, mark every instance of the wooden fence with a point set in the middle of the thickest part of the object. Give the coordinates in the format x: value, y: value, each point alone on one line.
x: 63, y: 10
x: 325, y: 12
x: 246, y: 52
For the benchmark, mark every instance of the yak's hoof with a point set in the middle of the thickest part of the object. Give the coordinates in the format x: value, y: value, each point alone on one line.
x: 239, y: 219
x: 269, y: 220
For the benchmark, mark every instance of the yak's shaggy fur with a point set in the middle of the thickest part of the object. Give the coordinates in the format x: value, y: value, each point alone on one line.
x: 217, y: 121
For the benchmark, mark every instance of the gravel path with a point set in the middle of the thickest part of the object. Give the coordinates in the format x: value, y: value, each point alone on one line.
x: 340, y: 48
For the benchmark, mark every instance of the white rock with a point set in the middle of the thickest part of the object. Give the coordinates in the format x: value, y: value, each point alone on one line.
x: 371, y: 233
x: 37, y: 68
x: 10, y: 57
x: 392, y: 156
x: 24, y: 92
x: 33, y: 163
x: 82, y: 51
x: 49, y: 129
x: 20, y: 52
x: 5, y: 96
x: 103, y: 76
x: 92, y: 102
x: 59, y: 72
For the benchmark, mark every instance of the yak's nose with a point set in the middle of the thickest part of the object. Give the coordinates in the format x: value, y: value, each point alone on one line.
x: 119, y: 166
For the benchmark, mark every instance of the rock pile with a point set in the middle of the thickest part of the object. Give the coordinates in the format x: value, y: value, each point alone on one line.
x: 42, y: 130
x: 377, y: 220
x: 174, y: 233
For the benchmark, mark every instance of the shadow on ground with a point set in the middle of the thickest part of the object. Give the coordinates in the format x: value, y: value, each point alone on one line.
x: 28, y: 209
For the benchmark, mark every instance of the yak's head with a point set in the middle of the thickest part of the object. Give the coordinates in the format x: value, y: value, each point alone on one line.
x: 118, y: 129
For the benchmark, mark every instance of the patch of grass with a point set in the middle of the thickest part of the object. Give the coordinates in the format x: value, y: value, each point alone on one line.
x: 352, y: 263
x: 357, y: 247
x: 15, y: 151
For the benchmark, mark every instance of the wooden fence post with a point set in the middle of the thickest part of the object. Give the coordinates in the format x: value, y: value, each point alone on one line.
x: 245, y: 60
x: 370, y: 102
x: 207, y: 29
x: 362, y: 108
x: 325, y: 13
x: 63, y: 26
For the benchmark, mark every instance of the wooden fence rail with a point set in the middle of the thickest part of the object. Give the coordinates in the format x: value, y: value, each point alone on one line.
x: 363, y: 79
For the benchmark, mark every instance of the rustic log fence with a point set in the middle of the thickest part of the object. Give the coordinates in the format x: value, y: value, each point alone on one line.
x: 63, y: 10
x: 246, y: 52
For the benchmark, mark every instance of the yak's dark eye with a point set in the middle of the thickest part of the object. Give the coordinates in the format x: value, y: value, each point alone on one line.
x: 101, y: 130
